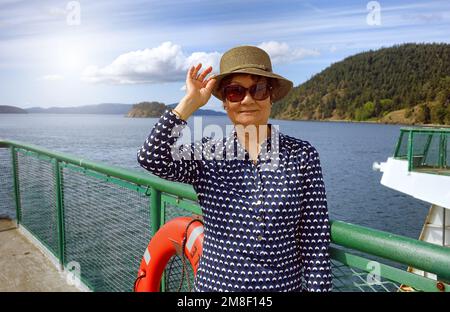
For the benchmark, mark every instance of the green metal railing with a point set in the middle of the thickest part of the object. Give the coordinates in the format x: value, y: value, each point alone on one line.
x: 102, y: 218
x: 426, y: 149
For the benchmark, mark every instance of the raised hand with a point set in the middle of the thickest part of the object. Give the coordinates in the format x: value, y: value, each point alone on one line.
x: 198, y: 90
x: 197, y: 87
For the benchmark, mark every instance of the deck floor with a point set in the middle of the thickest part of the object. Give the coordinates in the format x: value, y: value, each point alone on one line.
x: 24, y: 267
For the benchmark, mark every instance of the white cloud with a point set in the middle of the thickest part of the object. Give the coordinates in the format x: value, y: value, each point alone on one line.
x: 165, y: 63
x: 52, y: 77
x: 281, y: 52
x: 168, y: 63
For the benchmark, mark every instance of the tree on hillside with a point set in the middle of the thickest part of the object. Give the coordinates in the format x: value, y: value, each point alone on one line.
x: 423, y: 114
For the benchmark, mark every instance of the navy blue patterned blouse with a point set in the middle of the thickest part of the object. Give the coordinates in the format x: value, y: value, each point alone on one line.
x: 266, y: 225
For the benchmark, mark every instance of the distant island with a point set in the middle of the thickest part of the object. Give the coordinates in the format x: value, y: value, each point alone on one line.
x: 155, y: 109
x: 405, y: 84
x: 6, y: 109
x: 147, y: 109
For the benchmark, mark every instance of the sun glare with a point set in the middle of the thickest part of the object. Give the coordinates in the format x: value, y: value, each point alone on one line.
x: 71, y: 57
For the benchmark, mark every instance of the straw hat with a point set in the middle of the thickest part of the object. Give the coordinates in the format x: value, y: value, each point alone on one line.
x: 250, y: 60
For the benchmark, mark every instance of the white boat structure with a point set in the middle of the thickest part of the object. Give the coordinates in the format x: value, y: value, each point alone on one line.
x: 420, y: 168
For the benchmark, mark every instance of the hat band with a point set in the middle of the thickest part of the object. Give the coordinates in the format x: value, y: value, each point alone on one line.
x: 259, y: 66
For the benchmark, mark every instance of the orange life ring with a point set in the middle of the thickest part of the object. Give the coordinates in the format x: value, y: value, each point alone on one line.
x: 167, y: 242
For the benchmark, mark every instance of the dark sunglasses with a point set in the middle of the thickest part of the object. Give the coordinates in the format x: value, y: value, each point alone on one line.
x: 236, y: 93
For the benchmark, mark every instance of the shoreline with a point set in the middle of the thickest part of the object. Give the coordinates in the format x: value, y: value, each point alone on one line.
x: 369, y: 121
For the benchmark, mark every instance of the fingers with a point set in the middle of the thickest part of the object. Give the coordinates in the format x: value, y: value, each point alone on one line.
x: 189, y: 73
x: 205, y: 72
x: 194, y: 70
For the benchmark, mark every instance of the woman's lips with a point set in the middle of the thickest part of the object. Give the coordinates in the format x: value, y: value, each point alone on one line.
x: 248, y: 111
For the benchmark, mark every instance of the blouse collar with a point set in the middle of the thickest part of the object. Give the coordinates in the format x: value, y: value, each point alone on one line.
x: 269, y: 147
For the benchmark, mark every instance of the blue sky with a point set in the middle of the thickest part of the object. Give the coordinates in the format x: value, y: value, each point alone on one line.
x: 132, y: 51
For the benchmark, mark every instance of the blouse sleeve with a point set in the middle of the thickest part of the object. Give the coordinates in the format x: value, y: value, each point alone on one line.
x: 160, y: 156
x: 315, y: 227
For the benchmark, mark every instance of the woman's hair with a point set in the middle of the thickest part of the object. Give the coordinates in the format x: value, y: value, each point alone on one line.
x: 226, y: 81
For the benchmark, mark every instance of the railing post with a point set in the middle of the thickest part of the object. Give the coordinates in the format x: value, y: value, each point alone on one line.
x: 446, y: 164
x: 16, y: 184
x: 155, y: 209
x: 442, y: 149
x: 399, y: 143
x: 410, y: 150
x: 155, y: 216
x: 60, y: 212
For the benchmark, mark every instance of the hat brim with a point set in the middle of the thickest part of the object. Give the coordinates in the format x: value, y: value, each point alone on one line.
x: 285, y: 85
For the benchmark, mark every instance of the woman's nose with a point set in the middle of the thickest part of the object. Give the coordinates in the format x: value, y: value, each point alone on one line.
x: 247, y: 98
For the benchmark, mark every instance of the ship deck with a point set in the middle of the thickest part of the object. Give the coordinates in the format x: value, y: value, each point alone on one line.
x: 24, y: 266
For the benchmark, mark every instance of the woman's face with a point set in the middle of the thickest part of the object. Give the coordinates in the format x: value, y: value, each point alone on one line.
x: 248, y: 111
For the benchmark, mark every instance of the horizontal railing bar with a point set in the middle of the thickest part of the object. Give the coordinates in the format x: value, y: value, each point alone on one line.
x: 387, y: 272
x: 415, y: 253
x: 425, y: 130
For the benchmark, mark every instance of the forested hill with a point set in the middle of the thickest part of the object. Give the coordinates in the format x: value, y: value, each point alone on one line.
x: 407, y: 83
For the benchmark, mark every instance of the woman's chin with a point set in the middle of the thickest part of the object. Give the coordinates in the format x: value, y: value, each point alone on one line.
x: 247, y: 119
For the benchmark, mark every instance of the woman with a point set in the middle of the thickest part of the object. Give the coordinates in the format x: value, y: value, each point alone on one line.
x: 265, y: 214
